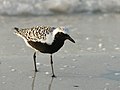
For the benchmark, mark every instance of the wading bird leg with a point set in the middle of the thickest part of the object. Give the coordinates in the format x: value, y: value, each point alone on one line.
x: 34, y: 57
x: 52, y: 66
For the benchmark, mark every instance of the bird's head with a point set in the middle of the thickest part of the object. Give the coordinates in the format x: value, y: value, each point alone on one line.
x: 62, y: 34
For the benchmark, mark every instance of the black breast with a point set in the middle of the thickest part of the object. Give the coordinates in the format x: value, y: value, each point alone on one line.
x: 45, y: 48
x: 54, y: 47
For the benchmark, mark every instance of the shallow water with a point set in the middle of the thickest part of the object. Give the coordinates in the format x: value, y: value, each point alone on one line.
x: 92, y: 63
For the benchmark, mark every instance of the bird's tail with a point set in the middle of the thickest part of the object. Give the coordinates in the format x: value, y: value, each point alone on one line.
x: 16, y: 30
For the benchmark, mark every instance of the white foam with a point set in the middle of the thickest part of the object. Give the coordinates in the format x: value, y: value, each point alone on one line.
x: 46, y: 7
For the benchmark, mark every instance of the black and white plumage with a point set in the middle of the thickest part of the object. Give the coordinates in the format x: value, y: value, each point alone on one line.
x: 44, y: 39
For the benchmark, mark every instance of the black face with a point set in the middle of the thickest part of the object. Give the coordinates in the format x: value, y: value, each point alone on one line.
x: 60, y: 35
x: 63, y: 37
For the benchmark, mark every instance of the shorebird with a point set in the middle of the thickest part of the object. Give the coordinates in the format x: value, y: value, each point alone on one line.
x: 45, y: 39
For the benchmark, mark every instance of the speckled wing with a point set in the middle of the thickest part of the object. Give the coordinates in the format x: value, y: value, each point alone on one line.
x: 37, y: 34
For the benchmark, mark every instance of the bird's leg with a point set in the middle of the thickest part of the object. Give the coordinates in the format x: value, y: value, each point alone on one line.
x: 52, y: 66
x: 34, y: 57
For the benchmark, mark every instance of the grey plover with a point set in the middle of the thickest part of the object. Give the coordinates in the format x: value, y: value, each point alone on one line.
x: 45, y: 39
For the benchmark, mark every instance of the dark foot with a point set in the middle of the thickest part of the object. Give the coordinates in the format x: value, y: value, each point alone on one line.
x: 53, y: 76
x: 36, y: 70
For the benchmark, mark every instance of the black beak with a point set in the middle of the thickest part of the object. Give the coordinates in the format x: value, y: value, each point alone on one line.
x: 69, y: 38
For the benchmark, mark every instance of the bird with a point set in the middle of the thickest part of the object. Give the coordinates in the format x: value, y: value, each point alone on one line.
x: 45, y: 39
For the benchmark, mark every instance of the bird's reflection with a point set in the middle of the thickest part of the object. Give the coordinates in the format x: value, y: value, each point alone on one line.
x: 33, y: 82
x: 34, y: 78
x: 50, y: 85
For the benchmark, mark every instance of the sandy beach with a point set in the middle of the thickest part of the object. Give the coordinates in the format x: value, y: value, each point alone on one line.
x: 92, y: 63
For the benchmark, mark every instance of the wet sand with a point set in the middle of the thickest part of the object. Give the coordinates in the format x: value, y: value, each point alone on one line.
x: 92, y: 63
